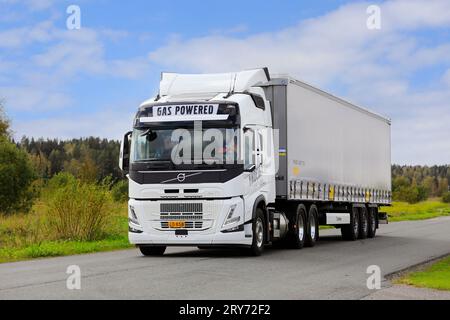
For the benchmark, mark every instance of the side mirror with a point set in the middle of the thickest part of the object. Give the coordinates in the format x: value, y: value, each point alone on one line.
x: 124, y: 158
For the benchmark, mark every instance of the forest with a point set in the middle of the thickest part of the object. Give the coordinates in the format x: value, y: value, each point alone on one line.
x: 91, y: 158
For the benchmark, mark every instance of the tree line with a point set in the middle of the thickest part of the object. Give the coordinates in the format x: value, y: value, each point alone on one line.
x: 28, y: 166
x: 90, y: 159
x: 418, y: 183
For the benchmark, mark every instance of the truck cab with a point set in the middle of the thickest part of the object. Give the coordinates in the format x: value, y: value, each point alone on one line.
x: 200, y: 163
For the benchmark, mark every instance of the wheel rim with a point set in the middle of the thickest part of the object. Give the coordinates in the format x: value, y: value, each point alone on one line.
x: 259, y: 233
x: 356, y: 224
x: 301, y: 228
x: 313, y: 227
x: 373, y: 222
x: 365, y: 225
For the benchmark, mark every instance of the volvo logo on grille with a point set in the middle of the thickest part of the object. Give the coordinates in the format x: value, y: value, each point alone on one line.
x: 181, y: 177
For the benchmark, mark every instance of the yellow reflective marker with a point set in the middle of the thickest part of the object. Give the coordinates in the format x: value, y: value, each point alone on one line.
x: 331, y: 193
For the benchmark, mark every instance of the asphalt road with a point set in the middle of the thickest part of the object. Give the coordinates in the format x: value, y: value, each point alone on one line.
x: 334, y: 269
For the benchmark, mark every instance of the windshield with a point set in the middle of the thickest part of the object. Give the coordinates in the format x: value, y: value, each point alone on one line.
x: 185, y: 146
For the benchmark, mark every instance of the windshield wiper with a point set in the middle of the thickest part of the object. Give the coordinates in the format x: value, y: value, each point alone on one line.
x: 155, y: 160
x: 146, y: 133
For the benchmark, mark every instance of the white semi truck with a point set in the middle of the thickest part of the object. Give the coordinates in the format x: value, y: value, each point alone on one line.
x: 249, y: 160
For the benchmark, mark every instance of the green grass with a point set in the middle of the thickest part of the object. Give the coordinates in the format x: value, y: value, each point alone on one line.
x: 402, y: 211
x: 435, y: 277
x: 61, y: 248
x: 27, y: 236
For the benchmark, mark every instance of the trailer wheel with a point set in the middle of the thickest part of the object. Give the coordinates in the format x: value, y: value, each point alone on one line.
x: 363, y: 223
x: 259, y: 230
x: 312, y: 230
x: 350, y: 232
x: 152, y: 251
x: 372, y: 223
x: 297, y: 235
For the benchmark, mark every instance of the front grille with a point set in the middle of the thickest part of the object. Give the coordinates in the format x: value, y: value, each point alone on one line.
x: 186, y: 216
x: 181, y: 208
x: 191, y: 213
x: 189, y: 225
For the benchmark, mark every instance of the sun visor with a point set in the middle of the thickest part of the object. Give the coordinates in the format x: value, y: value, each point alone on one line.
x: 173, y: 84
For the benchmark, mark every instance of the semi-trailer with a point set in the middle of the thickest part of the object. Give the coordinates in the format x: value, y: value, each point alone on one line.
x: 248, y: 160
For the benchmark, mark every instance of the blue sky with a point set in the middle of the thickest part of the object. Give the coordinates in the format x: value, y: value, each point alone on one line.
x: 70, y: 83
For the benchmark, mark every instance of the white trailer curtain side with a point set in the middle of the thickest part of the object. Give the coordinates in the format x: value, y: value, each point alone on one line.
x: 330, y: 149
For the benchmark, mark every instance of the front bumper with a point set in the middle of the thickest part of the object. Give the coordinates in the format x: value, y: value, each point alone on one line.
x: 192, y: 239
x: 149, y: 231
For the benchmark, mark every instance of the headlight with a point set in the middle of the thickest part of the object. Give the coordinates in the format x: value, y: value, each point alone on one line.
x: 231, y: 219
x: 132, y: 217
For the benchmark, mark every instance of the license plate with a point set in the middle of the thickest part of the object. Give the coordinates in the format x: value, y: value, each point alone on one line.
x: 177, y: 224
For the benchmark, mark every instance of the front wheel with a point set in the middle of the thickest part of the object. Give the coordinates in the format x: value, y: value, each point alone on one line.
x: 259, y: 229
x: 152, y: 251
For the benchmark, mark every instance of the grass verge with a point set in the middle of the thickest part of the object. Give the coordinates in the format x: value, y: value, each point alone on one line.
x: 61, y: 248
x: 28, y: 236
x: 436, y: 276
x: 402, y: 211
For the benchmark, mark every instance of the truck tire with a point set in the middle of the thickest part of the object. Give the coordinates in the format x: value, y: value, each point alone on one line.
x: 259, y: 231
x: 312, y: 229
x: 372, y: 223
x: 350, y: 232
x: 363, y: 223
x: 152, y: 251
x: 297, y: 236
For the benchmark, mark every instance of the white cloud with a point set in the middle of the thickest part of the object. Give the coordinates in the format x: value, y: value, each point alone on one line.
x: 32, y: 98
x: 32, y: 5
x: 40, y: 4
x: 240, y: 28
x: 320, y: 49
x: 414, y: 14
x: 39, y: 81
x: 423, y: 138
x: 83, y: 52
x: 106, y: 124
x: 446, y: 78
x: 20, y: 37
